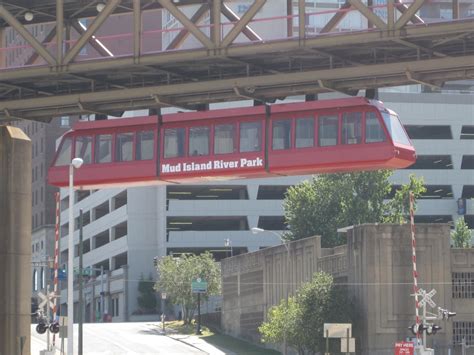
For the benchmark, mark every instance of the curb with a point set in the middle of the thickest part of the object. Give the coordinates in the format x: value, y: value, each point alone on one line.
x: 184, y: 342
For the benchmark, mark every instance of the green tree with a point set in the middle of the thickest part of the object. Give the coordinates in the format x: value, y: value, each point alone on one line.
x: 302, y: 319
x: 327, y: 202
x: 147, y: 298
x: 398, y: 208
x: 461, y: 235
x: 176, y: 275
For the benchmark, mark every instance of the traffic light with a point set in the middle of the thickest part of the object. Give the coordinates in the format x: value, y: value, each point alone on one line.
x: 155, y: 262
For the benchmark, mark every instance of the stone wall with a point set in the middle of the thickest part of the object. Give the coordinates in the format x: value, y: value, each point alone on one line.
x: 377, y: 264
x: 254, y: 282
x: 380, y: 275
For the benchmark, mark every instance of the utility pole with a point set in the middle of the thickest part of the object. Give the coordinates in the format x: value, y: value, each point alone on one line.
x: 81, y: 302
x: 102, y: 298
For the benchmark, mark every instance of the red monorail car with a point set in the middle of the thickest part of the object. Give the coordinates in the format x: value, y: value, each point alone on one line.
x: 285, y: 139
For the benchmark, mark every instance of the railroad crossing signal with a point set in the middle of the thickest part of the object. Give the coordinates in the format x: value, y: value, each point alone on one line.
x: 46, y: 299
x: 426, y: 297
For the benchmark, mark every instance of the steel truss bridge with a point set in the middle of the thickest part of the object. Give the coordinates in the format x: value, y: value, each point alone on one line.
x: 203, y: 51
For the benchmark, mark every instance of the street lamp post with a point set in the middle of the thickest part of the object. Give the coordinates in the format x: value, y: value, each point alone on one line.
x: 76, y: 163
x: 228, y: 243
x: 256, y: 230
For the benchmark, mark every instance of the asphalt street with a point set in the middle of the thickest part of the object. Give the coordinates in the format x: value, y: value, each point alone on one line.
x: 120, y: 338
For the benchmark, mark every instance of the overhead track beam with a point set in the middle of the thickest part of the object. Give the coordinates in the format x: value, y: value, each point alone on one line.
x: 364, y: 10
x: 137, y: 28
x: 94, y: 42
x: 415, y: 78
x: 409, y: 13
x: 59, y: 30
x: 404, y: 8
x: 338, y: 16
x: 216, y: 29
x: 208, y: 88
x: 49, y: 37
x: 247, y: 95
x: 264, y: 92
x: 412, y: 33
x: 243, y: 22
x: 416, y: 46
x: 200, y: 36
x: 98, y: 21
x: 247, y: 31
x: 12, y: 21
x: 184, y: 33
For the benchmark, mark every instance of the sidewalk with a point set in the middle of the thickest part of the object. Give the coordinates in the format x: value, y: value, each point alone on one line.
x: 199, y: 343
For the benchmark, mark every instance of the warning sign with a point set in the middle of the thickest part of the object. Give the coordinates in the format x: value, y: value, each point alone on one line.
x: 404, y: 348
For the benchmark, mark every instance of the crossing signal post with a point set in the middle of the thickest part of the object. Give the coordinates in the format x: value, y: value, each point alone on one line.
x: 426, y: 327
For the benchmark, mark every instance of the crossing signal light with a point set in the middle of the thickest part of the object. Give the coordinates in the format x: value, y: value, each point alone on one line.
x: 432, y: 329
x: 54, y: 327
x: 41, y: 328
x: 418, y: 329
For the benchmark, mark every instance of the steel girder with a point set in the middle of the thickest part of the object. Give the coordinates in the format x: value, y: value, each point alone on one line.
x: 397, y: 51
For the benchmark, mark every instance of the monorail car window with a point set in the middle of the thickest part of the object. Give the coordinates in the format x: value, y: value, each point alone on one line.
x: 250, y: 137
x: 351, y: 128
x: 328, y: 128
x: 145, y: 144
x: 395, y: 129
x: 64, y: 154
x: 174, y: 142
x: 198, y: 141
x: 304, y: 132
x: 84, y: 148
x: 281, y: 135
x: 224, y: 138
x: 103, y: 148
x: 373, y: 129
x: 124, y: 147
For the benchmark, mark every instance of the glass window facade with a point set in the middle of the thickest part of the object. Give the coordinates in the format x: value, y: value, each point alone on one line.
x: 281, y: 135
x: 84, y: 148
x: 103, y: 148
x: 174, y: 142
x: 198, y: 141
x: 250, y: 137
x: 124, y: 147
x: 145, y: 145
x: 328, y: 127
x: 224, y: 139
x: 304, y: 132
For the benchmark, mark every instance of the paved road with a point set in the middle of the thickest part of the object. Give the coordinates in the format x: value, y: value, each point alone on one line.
x: 120, y: 339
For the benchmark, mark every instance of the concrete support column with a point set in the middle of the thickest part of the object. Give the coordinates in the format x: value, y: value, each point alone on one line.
x: 15, y: 241
x: 3, y: 54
